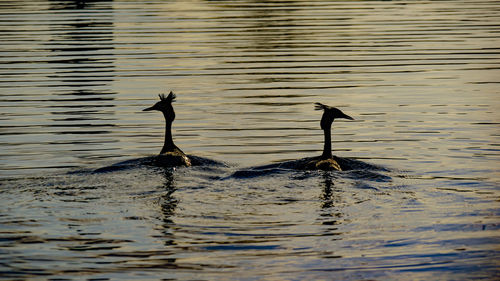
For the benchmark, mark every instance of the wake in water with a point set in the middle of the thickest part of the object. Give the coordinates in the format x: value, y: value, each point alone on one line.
x: 160, y: 161
x: 352, y: 168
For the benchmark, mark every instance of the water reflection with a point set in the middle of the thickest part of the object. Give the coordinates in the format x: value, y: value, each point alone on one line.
x: 331, y: 196
x: 268, y: 33
x: 168, y: 206
x: 57, y: 83
x: 82, y: 62
x: 420, y: 73
x: 331, y: 214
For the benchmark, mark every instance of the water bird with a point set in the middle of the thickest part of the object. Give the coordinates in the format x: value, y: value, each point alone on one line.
x: 326, y: 161
x: 170, y: 155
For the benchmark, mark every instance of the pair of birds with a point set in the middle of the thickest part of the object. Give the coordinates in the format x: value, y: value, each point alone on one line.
x: 172, y: 156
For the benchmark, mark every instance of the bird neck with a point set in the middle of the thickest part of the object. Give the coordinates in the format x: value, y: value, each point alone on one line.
x: 327, y: 149
x: 168, y: 145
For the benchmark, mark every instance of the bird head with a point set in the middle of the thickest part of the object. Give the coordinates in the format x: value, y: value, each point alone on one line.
x: 165, y: 106
x: 330, y: 114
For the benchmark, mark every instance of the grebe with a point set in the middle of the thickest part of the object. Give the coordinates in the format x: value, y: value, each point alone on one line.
x: 326, y: 161
x: 170, y: 155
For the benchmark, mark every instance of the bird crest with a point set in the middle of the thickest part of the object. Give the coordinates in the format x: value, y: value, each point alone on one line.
x: 170, y: 98
x: 330, y: 113
x: 320, y: 106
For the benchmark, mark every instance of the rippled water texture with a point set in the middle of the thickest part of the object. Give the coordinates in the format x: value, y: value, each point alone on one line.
x: 421, y: 79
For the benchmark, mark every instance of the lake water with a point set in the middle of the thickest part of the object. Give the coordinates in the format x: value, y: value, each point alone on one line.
x: 421, y: 78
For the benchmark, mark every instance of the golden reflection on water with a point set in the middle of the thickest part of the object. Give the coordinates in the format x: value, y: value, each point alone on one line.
x: 419, y: 77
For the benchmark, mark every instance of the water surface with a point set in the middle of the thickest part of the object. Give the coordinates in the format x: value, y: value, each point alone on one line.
x: 419, y: 77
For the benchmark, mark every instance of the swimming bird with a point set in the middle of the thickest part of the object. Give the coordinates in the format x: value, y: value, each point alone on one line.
x: 327, y: 161
x: 170, y: 154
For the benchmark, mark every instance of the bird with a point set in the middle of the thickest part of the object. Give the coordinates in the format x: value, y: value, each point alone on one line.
x: 170, y: 154
x: 326, y: 161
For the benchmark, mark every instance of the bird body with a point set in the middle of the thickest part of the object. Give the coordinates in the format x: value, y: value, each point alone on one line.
x: 172, y: 159
x: 328, y: 164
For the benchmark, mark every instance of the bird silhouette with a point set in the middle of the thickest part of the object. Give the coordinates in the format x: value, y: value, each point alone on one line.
x: 170, y: 154
x: 326, y: 161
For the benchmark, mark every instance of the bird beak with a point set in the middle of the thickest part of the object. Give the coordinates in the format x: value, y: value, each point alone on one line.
x: 347, y: 117
x: 148, y: 109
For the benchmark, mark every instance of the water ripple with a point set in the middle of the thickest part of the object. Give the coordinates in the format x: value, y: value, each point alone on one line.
x: 419, y: 77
